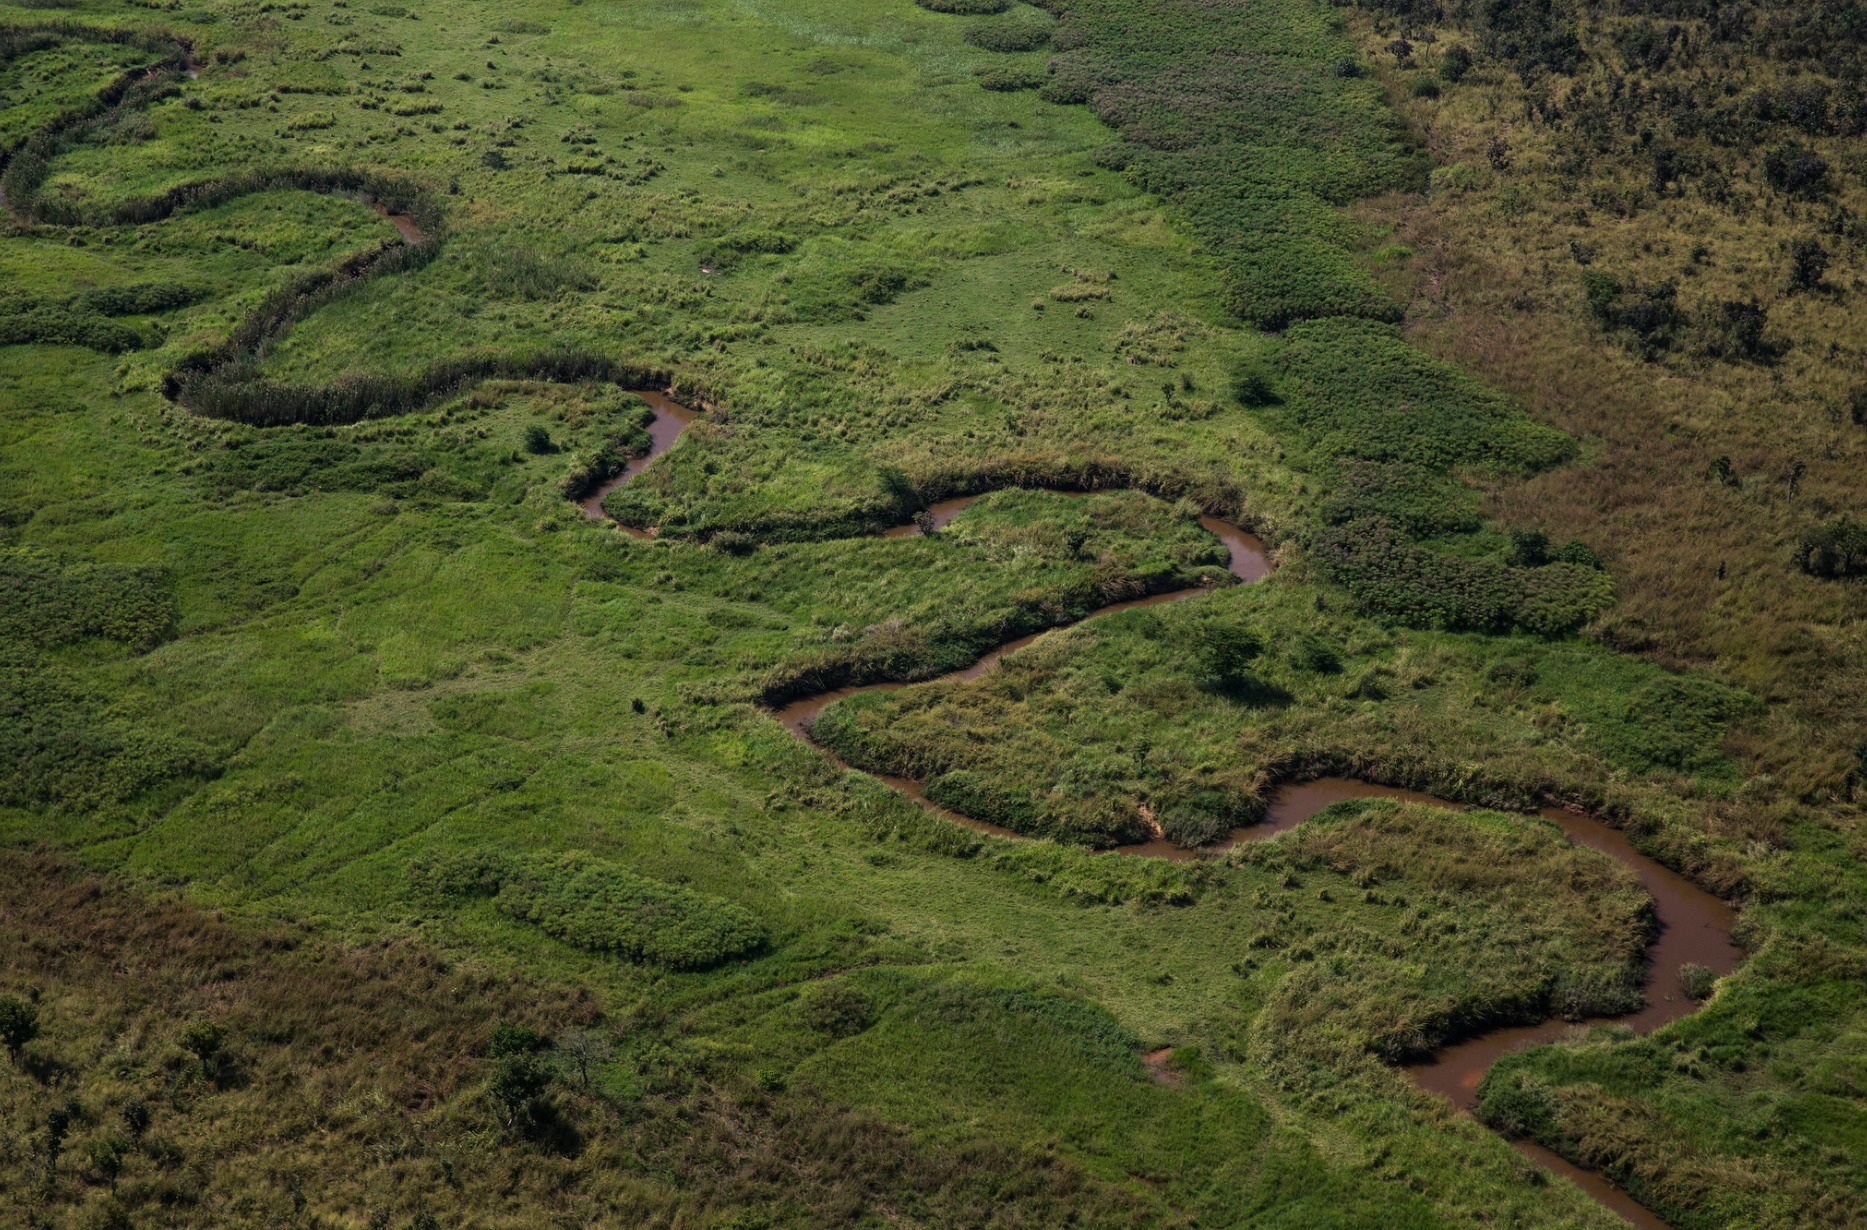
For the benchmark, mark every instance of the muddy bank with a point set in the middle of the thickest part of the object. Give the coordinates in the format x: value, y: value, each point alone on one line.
x: 671, y: 419
x: 404, y: 223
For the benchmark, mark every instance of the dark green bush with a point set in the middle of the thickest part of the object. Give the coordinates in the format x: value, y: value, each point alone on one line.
x: 1420, y: 502
x: 1008, y: 80
x: 1007, y: 36
x: 965, y: 8
x: 1399, y: 582
x: 47, y: 602
x: 1222, y: 655
x: 1252, y: 386
x: 1838, y: 549
x: 1357, y: 391
x: 509, y: 1039
x: 839, y: 1011
x: 1516, y: 1108
x: 1312, y: 653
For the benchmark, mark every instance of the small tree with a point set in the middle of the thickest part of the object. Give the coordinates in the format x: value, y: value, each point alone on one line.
x: 509, y: 1039
x: 1455, y: 64
x: 19, y: 1024
x: 1529, y: 548
x: 107, y: 1154
x: 1221, y: 658
x: 515, y: 1084
x: 204, y: 1039
x: 583, y: 1050
x: 537, y: 439
x: 136, y: 1117
x: 1808, y: 265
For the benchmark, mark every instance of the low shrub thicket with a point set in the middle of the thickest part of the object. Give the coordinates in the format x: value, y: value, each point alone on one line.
x: 1241, y: 163
x: 600, y: 907
x: 1357, y: 391
x: 1396, y: 581
x: 47, y: 602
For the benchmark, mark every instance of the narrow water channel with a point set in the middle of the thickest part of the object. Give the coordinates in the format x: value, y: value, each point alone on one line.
x: 1693, y: 926
x: 671, y: 419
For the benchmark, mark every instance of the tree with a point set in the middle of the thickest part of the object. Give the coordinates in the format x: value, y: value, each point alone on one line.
x: 1529, y: 548
x: 509, y: 1039
x: 1455, y: 64
x: 1808, y: 264
x: 515, y: 1084
x: 136, y: 1117
x: 107, y: 1154
x: 1795, y: 168
x: 204, y: 1040
x: 19, y: 1024
x: 583, y: 1050
x: 1221, y: 656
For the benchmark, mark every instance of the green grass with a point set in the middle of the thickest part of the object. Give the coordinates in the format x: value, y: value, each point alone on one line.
x: 278, y: 667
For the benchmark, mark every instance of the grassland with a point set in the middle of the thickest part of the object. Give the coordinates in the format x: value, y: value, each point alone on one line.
x: 329, y: 720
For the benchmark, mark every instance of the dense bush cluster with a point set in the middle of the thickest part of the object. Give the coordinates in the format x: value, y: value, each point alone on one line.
x: 1421, y: 502
x: 1008, y: 36
x: 62, y: 745
x: 1358, y: 391
x: 46, y: 602
x: 1399, y: 582
x: 83, y: 319
x: 965, y: 8
x: 1838, y: 549
x: 600, y: 907
x: 1241, y: 162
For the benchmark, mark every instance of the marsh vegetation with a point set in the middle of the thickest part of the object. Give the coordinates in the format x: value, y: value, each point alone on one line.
x: 391, y: 843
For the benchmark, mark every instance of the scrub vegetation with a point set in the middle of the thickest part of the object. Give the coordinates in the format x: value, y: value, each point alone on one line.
x: 389, y: 843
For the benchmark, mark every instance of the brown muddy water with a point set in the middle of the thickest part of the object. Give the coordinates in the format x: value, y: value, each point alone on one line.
x: 671, y: 419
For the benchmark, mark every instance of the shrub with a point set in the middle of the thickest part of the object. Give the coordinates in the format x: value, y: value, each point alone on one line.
x: 1518, y: 1109
x: 1808, y: 264
x: 1455, y: 64
x: 1795, y: 168
x: 1199, y: 817
x: 1007, y: 36
x: 1358, y: 391
x: 1415, y: 500
x: 19, y: 1024
x: 1009, y: 80
x: 1251, y: 386
x: 204, y: 1040
x: 606, y: 909
x: 47, y: 602
x: 965, y: 8
x: 1398, y: 582
x: 516, y: 1084
x: 537, y: 439
x: 1838, y: 549
x: 508, y: 1039
x: 1312, y: 653
x: 1736, y: 332
x: 1529, y: 548
x: 839, y: 1011
x: 1221, y: 656
x: 1697, y: 981
x: 1424, y: 87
